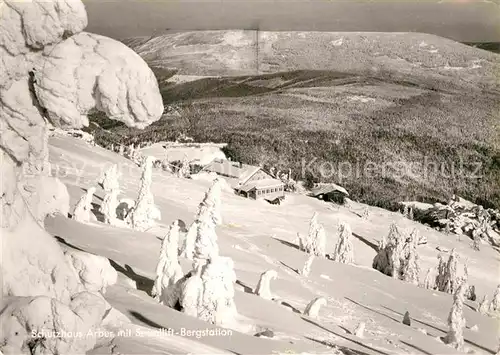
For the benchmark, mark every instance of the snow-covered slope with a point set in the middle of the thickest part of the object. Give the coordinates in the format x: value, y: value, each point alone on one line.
x: 258, y: 237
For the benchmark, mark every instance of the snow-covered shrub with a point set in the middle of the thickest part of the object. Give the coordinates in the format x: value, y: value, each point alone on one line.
x: 168, y: 269
x: 83, y: 207
x: 315, y: 241
x: 495, y: 302
x: 306, y: 270
x: 344, y: 252
x: 447, y: 279
x: 313, y: 307
x: 456, y: 319
x: 410, y: 266
x: 94, y: 271
x: 360, y: 330
x: 209, y: 293
x: 263, y: 288
x: 388, y: 260
x: 145, y: 211
x: 109, y: 179
x: 125, y: 208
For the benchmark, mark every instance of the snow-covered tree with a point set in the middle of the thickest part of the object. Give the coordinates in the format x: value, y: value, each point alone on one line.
x: 410, y: 268
x: 447, y: 279
x: 344, y: 251
x: 307, y: 265
x: 495, y: 302
x: 476, y: 242
x: 484, y: 305
x: 145, y: 212
x: 209, y: 293
x: 212, y: 200
x: 184, y: 168
x: 313, y: 307
x: 360, y: 330
x: 430, y: 279
x: 263, y: 288
x: 109, y: 179
x: 168, y: 270
x: 205, y: 245
x: 187, y: 249
x: 109, y: 206
x: 456, y: 319
x: 390, y: 254
x: 83, y: 207
x: 207, y: 217
x: 315, y: 242
x: 121, y: 150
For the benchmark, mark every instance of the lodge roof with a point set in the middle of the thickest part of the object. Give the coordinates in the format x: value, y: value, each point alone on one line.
x: 260, y: 184
x: 328, y: 188
x: 231, y: 169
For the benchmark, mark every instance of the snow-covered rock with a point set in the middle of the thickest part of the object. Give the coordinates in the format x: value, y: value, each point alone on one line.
x: 48, y: 69
x: 97, y: 72
x: 46, y: 196
x: 94, y: 271
x: 30, y: 325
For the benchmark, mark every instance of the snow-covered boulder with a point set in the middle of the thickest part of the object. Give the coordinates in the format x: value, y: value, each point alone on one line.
x: 97, y: 72
x: 94, y: 271
x: 48, y: 70
x: 46, y: 196
x: 30, y: 325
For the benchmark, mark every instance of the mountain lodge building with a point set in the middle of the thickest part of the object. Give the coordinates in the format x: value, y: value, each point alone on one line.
x: 247, y: 180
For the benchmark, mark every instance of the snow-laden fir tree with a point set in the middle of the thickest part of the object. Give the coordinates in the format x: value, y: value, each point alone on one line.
x: 205, y: 245
x: 263, y: 288
x: 430, y: 279
x: 121, y: 150
x: 484, y: 305
x: 476, y: 242
x: 315, y: 242
x: 109, y: 179
x: 495, y: 302
x: 207, y: 217
x: 447, y: 277
x: 344, y: 250
x: 145, y: 212
x: 312, y: 309
x: 109, y: 206
x: 185, y: 168
x: 213, y: 201
x: 456, y: 319
x: 410, y: 268
x: 83, y: 207
x: 209, y: 293
x: 306, y: 270
x: 168, y: 270
x: 187, y: 249
x: 390, y: 254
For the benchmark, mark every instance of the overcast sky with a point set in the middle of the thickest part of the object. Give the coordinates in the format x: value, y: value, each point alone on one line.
x: 462, y: 20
